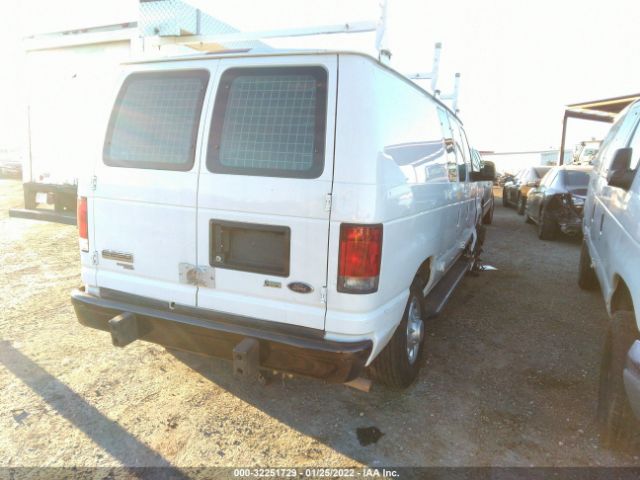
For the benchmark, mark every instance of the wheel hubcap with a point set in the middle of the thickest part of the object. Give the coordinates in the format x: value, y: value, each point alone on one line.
x: 415, y: 330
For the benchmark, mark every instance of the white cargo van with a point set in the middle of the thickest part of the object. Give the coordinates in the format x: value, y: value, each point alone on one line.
x: 610, y: 259
x: 300, y: 212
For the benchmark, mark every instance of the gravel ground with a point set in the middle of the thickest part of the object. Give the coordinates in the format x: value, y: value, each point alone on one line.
x: 510, y: 377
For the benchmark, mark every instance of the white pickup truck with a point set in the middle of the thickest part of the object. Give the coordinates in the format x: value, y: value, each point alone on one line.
x: 302, y: 212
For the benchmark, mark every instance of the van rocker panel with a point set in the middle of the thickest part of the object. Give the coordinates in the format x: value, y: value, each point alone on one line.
x: 286, y: 348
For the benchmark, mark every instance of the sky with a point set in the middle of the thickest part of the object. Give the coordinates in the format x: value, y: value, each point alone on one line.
x: 520, y: 62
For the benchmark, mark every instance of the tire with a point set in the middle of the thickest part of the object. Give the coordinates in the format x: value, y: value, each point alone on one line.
x: 504, y: 198
x: 616, y: 421
x: 547, y: 228
x: 522, y: 204
x: 488, y: 218
x: 587, y: 279
x: 394, y: 367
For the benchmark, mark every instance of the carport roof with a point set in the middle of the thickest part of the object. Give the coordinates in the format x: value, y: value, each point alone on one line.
x: 608, y: 106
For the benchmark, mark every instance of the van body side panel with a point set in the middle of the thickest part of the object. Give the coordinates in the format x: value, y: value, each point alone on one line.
x: 390, y: 168
x: 145, y: 212
x: 249, y: 216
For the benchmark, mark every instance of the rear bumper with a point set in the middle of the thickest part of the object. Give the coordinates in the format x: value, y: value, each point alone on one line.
x: 286, y: 348
x: 570, y: 221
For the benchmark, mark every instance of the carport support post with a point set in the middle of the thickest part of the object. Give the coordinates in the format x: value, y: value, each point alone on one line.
x: 584, y: 116
x: 564, y: 135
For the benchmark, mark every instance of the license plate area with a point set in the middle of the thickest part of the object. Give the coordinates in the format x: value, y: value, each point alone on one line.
x: 42, y: 198
x: 250, y: 247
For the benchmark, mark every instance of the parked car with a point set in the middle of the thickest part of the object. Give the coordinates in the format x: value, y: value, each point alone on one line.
x: 253, y: 206
x: 488, y: 201
x: 556, y: 205
x: 514, y: 193
x: 610, y: 257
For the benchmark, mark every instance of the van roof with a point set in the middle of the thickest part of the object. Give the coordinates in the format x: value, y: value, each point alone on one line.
x: 258, y: 52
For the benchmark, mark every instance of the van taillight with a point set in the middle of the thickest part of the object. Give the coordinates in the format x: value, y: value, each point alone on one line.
x: 359, y: 260
x: 83, y: 224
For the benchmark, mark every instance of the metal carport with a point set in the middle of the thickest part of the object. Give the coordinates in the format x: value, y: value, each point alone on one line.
x: 604, y: 110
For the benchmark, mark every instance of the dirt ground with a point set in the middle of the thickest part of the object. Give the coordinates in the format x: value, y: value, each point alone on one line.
x: 510, y: 378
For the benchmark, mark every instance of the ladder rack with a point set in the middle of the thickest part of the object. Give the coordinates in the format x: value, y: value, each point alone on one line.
x: 218, y: 41
x: 433, y: 76
x: 215, y: 41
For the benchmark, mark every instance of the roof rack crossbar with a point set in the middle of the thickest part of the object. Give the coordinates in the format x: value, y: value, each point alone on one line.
x: 355, y: 27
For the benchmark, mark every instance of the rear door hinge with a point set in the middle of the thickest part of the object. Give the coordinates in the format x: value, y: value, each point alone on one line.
x: 201, y: 276
x: 323, y: 295
x: 327, y: 202
x: 93, y: 183
x: 94, y: 258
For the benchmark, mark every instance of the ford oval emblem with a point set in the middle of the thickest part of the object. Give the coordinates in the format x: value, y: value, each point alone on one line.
x: 300, y: 287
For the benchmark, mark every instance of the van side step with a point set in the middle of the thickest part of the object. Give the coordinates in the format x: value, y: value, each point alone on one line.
x: 438, y: 297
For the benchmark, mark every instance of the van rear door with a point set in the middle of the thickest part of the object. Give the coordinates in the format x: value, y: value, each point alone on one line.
x: 144, y: 204
x: 264, y: 191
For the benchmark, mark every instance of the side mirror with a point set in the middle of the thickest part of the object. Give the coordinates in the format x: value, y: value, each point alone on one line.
x: 620, y: 175
x: 486, y: 174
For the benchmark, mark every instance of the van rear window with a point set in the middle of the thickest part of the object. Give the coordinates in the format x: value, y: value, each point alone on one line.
x: 154, y: 123
x: 269, y: 122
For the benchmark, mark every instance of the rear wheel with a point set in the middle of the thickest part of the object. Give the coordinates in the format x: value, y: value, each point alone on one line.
x: 522, y: 203
x: 547, y: 227
x: 397, y: 366
x: 618, y: 426
x: 587, y: 279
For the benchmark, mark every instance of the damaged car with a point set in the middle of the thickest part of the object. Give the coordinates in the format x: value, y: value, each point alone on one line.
x: 557, y: 204
x: 516, y: 191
